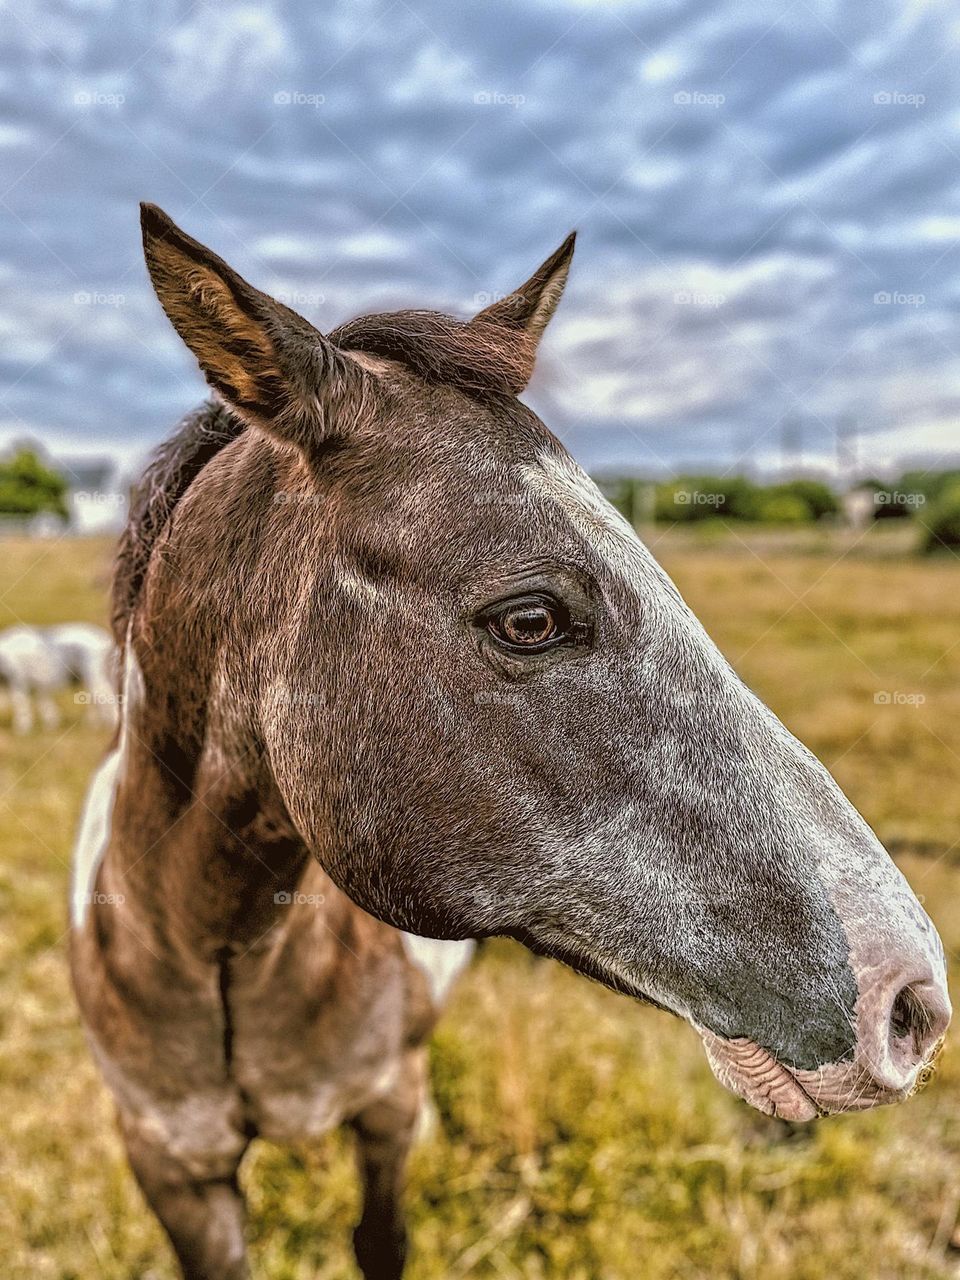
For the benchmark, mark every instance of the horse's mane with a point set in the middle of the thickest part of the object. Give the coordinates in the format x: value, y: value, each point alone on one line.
x: 173, y: 467
x: 475, y: 357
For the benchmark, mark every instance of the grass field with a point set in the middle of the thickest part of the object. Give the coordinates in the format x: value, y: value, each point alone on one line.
x: 581, y: 1136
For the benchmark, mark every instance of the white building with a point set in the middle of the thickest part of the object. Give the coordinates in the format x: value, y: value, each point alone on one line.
x: 97, y: 495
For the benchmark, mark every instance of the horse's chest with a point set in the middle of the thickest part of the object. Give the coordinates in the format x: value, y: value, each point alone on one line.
x: 309, y: 1104
x: 308, y: 1052
x: 286, y: 1083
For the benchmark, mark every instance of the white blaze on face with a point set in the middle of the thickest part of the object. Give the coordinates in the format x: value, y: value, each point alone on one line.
x: 594, y: 518
x: 93, y: 834
x: 892, y: 943
x: 615, y: 541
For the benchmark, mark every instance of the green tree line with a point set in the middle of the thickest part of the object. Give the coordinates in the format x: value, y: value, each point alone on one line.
x: 929, y: 498
x: 29, y: 487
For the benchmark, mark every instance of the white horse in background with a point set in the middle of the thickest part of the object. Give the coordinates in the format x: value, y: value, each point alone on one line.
x: 36, y: 663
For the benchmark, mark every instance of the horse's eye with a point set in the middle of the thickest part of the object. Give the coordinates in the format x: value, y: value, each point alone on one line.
x: 530, y: 625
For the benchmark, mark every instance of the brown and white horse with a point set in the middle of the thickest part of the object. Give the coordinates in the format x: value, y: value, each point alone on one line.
x: 393, y: 664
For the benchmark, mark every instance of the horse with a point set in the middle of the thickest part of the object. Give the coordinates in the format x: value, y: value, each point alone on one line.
x: 397, y: 678
x: 36, y: 663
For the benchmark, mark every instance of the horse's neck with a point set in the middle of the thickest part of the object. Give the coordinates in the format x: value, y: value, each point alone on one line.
x: 201, y: 852
x: 200, y: 844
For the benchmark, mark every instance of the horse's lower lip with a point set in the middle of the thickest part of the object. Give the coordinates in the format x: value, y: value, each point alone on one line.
x: 755, y: 1075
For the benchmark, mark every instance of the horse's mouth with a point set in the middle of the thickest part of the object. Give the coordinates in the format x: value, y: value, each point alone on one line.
x: 755, y: 1075
x: 752, y: 1072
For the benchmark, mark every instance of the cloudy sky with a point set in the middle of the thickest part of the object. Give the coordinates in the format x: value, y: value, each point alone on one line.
x: 768, y: 201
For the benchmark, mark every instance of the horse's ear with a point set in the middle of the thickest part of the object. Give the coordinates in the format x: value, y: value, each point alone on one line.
x: 267, y: 362
x: 528, y: 309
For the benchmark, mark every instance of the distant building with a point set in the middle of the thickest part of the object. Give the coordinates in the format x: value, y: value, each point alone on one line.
x: 97, y: 495
x: 859, y: 507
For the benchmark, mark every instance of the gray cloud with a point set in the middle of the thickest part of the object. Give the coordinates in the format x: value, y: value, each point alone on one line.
x: 749, y: 187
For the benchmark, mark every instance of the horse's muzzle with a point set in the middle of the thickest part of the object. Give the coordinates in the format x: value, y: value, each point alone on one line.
x: 900, y: 1021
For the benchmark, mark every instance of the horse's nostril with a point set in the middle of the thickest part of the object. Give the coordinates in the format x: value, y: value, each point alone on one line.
x: 914, y: 1021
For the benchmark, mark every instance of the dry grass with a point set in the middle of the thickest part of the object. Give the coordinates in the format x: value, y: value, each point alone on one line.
x: 582, y: 1137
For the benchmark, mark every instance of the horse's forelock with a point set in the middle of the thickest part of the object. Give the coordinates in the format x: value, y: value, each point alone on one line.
x: 475, y: 356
